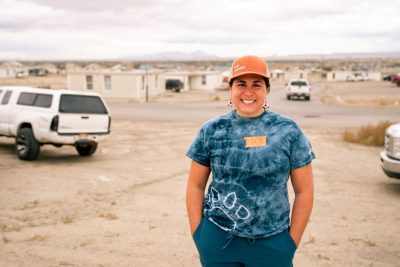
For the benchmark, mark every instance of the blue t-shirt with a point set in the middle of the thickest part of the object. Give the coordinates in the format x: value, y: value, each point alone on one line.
x: 248, y: 193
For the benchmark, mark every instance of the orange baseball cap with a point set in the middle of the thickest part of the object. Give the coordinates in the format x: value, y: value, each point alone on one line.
x: 249, y: 65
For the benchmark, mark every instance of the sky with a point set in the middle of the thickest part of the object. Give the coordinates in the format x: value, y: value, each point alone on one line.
x: 117, y: 29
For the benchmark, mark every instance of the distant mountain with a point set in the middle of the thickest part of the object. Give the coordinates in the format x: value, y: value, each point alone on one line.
x: 176, y: 56
x: 367, y: 55
x: 338, y: 56
x: 201, y: 56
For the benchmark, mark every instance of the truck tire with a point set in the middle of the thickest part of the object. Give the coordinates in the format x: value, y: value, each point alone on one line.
x: 26, y: 146
x: 86, y: 150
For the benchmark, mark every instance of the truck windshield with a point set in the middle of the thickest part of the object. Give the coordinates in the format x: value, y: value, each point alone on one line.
x: 82, y: 104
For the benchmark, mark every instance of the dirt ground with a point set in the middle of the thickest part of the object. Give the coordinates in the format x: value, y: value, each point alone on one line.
x: 125, y: 205
x: 49, y: 81
x: 362, y: 94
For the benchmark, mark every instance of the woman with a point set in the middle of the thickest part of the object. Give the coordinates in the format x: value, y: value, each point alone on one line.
x: 244, y: 219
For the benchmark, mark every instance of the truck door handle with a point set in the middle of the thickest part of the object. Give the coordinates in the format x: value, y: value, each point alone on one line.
x: 85, y: 117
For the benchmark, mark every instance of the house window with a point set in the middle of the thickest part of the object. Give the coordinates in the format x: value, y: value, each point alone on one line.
x: 156, y: 81
x: 143, y: 81
x: 333, y: 75
x: 107, y: 82
x: 301, y: 75
x: 89, y: 82
x: 203, y: 79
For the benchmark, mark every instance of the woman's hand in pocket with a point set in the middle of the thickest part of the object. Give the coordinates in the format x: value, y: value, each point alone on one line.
x: 194, y: 229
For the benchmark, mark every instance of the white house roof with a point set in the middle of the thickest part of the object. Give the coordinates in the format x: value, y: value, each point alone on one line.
x: 110, y: 72
x: 117, y: 67
x: 192, y: 72
x: 93, y: 66
x: 277, y: 71
x: 12, y: 64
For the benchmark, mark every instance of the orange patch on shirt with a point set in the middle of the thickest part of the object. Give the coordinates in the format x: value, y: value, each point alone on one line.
x: 255, y: 141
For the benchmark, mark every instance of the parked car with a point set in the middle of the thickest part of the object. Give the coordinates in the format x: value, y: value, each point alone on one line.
x: 396, y: 79
x: 390, y: 156
x: 298, y: 88
x: 173, y: 85
x: 388, y: 77
x: 35, y: 117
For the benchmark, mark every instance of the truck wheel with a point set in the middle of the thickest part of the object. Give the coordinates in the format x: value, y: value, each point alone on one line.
x: 86, y: 150
x: 398, y: 84
x: 288, y: 97
x: 307, y: 98
x: 26, y: 146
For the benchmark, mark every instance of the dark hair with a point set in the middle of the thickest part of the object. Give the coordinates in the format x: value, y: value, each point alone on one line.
x: 267, y: 84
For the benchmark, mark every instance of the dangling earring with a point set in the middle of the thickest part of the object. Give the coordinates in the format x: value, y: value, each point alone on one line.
x: 266, y: 106
x: 230, y: 103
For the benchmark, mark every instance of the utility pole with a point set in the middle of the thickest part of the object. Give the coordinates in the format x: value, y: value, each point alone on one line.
x: 147, y: 87
x: 146, y: 68
x: 322, y: 65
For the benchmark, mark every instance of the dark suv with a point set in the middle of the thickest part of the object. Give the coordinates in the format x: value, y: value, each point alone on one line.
x: 173, y: 85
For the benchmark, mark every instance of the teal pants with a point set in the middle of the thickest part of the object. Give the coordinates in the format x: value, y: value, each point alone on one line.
x: 218, y: 248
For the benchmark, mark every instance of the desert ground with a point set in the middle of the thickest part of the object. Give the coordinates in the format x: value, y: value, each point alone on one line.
x: 125, y: 206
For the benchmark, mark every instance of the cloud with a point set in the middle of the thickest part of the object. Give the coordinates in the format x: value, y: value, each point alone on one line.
x: 90, y: 6
x: 214, y: 26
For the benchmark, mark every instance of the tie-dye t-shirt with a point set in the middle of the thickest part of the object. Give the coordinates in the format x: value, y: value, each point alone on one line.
x: 248, y: 193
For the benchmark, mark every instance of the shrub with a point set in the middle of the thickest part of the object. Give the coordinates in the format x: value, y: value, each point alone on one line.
x: 369, y: 135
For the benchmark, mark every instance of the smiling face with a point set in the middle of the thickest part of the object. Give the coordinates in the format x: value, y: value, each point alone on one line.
x: 248, y: 94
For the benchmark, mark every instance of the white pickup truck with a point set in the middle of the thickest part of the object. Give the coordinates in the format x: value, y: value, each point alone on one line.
x: 35, y: 117
x: 298, y: 88
x: 390, y: 156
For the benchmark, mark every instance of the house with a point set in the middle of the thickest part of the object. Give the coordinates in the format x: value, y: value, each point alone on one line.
x: 353, y: 76
x: 128, y: 85
x: 278, y: 72
x: 4, y: 72
x: 277, y: 75
x: 196, y: 80
x: 374, y: 76
x: 296, y: 74
x: 13, y: 69
x: 332, y: 76
x: 284, y: 73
